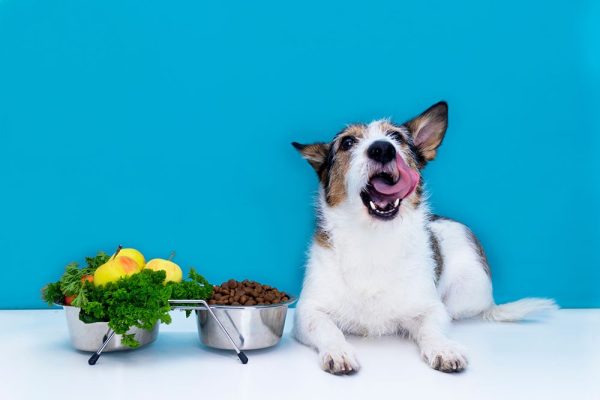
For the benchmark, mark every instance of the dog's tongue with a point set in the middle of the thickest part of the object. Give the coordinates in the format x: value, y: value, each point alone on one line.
x: 408, y: 181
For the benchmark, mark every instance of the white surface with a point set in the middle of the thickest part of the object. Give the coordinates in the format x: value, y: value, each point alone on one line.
x: 556, y: 358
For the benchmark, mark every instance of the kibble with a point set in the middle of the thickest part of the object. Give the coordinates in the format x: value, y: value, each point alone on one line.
x: 246, y: 293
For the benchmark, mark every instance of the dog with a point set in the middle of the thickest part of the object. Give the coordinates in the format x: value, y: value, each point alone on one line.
x: 380, y: 262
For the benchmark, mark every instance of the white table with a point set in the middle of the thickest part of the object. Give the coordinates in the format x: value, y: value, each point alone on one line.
x: 557, y: 358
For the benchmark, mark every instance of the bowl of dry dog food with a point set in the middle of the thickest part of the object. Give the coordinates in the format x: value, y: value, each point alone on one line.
x: 252, y: 313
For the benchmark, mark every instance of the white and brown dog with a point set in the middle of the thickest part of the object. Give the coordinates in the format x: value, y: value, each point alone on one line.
x: 380, y: 262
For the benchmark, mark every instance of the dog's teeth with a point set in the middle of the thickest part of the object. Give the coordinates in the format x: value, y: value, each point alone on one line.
x: 396, y: 202
x: 373, y: 205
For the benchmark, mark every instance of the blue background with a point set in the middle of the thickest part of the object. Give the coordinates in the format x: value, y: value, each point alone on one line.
x: 166, y: 125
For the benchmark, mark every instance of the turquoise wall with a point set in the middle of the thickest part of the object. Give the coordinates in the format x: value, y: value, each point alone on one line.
x: 166, y: 125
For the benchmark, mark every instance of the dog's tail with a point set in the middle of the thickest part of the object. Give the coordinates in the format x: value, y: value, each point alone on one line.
x: 518, y: 310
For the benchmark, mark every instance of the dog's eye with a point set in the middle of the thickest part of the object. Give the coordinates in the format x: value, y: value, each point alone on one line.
x: 397, y: 136
x: 347, y: 143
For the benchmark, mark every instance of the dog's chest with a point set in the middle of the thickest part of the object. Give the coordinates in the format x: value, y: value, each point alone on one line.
x: 380, y: 282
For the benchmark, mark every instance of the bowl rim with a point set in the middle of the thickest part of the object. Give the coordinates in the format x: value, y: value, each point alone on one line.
x: 288, y: 303
x: 291, y: 301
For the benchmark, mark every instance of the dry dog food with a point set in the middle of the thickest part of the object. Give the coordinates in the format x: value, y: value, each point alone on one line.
x: 246, y: 293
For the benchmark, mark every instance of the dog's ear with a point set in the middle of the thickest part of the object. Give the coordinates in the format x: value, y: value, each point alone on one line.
x: 429, y: 128
x: 315, y: 153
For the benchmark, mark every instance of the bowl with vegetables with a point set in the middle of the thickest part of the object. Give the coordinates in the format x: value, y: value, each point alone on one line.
x: 117, y: 302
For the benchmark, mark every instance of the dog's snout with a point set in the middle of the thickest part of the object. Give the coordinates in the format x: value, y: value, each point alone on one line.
x: 381, y: 151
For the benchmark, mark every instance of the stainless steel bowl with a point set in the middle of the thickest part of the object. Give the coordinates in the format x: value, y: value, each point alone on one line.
x: 89, y: 337
x: 250, y: 327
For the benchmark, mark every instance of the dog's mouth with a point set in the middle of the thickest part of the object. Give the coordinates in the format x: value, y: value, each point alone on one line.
x: 384, y: 191
x: 380, y: 205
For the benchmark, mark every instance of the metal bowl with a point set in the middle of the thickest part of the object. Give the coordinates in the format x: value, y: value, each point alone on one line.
x: 89, y: 337
x: 250, y: 327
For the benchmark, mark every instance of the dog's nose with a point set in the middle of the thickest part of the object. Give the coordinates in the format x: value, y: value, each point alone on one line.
x: 381, y: 151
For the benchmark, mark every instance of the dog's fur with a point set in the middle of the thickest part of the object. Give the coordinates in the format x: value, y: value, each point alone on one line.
x: 411, y: 273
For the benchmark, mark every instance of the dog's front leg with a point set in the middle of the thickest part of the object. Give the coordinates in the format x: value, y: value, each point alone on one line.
x: 441, y: 353
x: 316, y: 329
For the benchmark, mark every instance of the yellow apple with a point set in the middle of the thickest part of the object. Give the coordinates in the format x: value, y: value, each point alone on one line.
x: 133, y: 254
x: 129, y: 265
x: 174, y: 273
x: 114, y: 269
x: 108, y: 272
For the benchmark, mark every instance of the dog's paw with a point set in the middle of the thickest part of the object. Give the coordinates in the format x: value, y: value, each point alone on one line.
x: 448, y: 357
x: 339, y: 361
